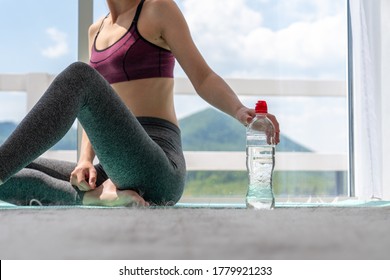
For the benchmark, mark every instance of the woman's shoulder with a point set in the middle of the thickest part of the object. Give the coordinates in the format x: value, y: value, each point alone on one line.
x: 94, y: 27
x: 160, y: 4
x: 160, y: 10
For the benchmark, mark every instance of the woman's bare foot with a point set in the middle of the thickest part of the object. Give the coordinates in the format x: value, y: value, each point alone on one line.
x: 107, y: 194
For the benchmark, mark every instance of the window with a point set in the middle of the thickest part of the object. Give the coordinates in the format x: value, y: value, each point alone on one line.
x: 298, y: 46
x: 293, y: 52
x: 41, y: 43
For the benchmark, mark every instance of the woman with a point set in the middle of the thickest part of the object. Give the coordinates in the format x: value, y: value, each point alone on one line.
x: 124, y: 101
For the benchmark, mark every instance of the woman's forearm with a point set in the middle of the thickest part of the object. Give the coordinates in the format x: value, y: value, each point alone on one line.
x: 87, y: 154
x: 84, y: 175
x: 218, y: 93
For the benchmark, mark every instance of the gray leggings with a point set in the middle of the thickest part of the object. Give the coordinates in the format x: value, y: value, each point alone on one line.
x: 142, y: 154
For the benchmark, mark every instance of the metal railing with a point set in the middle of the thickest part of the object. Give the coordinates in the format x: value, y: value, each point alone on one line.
x: 34, y: 84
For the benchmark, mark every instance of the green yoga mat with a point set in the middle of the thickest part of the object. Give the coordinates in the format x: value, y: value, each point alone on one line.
x: 346, y: 203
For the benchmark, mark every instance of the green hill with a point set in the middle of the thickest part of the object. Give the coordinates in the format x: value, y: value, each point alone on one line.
x: 211, y: 130
x: 69, y: 142
x: 5, y: 130
x: 208, y: 130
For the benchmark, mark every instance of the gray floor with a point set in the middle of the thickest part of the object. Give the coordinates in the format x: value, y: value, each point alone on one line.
x: 285, y: 233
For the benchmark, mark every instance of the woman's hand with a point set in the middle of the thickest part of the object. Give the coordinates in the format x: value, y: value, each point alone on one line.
x: 108, y: 194
x: 246, y: 115
x: 277, y: 128
x: 84, y: 176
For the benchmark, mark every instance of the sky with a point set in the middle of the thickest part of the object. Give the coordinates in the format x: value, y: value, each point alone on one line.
x: 271, y: 39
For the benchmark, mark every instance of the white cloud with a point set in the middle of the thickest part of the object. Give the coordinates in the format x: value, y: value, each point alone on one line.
x: 310, y: 43
x: 309, y: 10
x: 60, y: 46
x: 220, y: 16
x: 218, y: 26
x: 234, y: 38
x: 302, y: 44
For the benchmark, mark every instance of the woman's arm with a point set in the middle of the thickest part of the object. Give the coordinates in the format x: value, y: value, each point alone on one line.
x: 84, y: 175
x: 87, y: 154
x: 210, y: 86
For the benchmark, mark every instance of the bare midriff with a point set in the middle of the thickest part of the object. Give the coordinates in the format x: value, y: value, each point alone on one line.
x: 152, y: 97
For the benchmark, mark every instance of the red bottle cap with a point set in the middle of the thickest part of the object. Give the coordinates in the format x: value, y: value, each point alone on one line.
x: 261, y: 107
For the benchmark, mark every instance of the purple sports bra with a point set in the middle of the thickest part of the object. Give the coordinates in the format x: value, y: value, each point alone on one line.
x: 132, y: 57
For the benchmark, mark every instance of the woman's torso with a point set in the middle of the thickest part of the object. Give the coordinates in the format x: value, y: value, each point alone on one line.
x: 151, y: 96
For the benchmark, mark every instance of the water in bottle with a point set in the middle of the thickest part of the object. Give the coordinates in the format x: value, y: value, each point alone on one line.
x: 260, y: 160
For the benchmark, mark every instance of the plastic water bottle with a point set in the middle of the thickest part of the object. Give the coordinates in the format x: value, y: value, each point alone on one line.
x: 260, y: 159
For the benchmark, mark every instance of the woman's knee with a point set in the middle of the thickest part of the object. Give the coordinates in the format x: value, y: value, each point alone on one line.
x: 86, y: 76
x: 80, y: 69
x: 78, y: 79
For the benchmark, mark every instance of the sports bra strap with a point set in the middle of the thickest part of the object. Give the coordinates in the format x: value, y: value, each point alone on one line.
x: 138, y: 12
x: 101, y: 25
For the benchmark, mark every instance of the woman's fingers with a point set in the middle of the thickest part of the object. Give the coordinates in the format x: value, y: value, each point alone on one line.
x: 78, y: 179
x: 92, y: 178
x: 84, y: 176
x: 276, y: 126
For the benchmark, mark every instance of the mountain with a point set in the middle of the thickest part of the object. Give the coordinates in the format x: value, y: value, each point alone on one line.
x: 208, y: 130
x: 212, y: 130
x: 5, y: 130
x: 215, y: 131
x: 69, y: 142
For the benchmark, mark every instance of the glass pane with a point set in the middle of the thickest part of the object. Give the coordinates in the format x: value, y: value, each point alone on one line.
x: 100, y: 9
x: 280, y: 41
x: 41, y: 43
